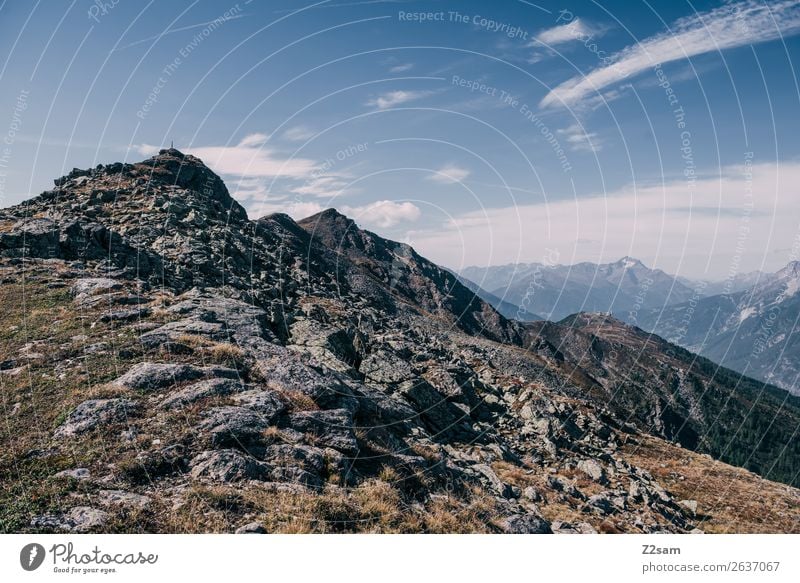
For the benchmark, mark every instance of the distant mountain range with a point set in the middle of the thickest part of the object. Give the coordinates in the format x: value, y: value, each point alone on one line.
x: 745, y: 322
x: 751, y: 331
x: 557, y: 291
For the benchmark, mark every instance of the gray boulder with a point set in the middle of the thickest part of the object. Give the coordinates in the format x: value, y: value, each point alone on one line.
x: 266, y: 403
x: 525, y: 524
x: 92, y: 413
x: 440, y: 415
x: 333, y: 428
x: 241, y: 319
x: 151, y: 376
x: 593, y: 469
x: 228, y: 465
x: 251, y: 528
x: 75, y: 474
x: 385, y: 367
x: 296, y: 464
x: 569, y: 528
x: 201, y: 390
x: 286, y: 374
x: 90, y: 286
x: 308, y: 458
x: 172, y: 332
x: 690, y: 506
x: 125, y: 315
x: 602, y: 503
x: 234, y: 426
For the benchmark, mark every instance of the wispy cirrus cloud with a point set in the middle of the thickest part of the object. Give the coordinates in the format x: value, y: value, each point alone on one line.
x: 252, y: 140
x: 329, y: 186
x: 579, y: 140
x: 299, y: 133
x: 401, y: 68
x: 394, y: 98
x: 449, y: 174
x: 575, y: 30
x: 726, y: 27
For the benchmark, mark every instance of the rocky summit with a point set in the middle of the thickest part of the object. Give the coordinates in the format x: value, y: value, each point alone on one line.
x: 169, y: 365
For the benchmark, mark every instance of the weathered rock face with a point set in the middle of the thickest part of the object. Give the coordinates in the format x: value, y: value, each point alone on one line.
x: 149, y: 376
x: 235, y: 426
x: 243, y: 365
x: 94, y: 413
x: 333, y: 428
x: 227, y: 465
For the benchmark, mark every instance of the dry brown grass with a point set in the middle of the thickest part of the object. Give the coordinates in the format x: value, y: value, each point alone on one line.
x: 226, y: 351
x: 273, y: 434
x: 375, y: 506
x: 448, y: 514
x: 555, y: 510
x: 194, y: 341
x: 729, y: 499
x: 430, y: 453
x: 514, y: 474
x: 300, y: 401
x: 105, y: 391
x: 161, y: 314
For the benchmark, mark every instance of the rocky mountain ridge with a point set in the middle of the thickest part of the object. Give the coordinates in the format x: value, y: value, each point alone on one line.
x: 173, y: 366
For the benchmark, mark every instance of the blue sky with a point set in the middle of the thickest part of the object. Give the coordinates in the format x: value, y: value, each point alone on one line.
x: 479, y: 132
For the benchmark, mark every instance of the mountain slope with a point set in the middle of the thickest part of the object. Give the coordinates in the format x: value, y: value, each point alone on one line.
x: 172, y: 366
x: 507, y: 309
x: 667, y: 391
x: 750, y: 331
x: 408, y: 275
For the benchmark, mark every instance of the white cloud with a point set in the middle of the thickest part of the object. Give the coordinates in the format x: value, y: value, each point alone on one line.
x: 247, y: 158
x: 246, y: 187
x: 322, y: 187
x: 575, y: 30
x: 299, y: 133
x: 579, y: 140
x: 449, y: 174
x: 726, y: 27
x: 147, y: 149
x: 383, y: 213
x: 402, y: 68
x: 393, y: 98
x: 253, y: 140
x: 735, y: 220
